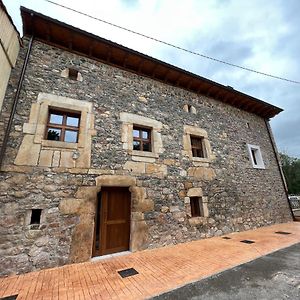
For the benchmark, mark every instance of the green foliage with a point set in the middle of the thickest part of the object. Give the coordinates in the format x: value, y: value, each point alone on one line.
x: 291, y: 170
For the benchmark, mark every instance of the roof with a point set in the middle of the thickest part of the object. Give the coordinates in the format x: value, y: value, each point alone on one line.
x: 64, y: 36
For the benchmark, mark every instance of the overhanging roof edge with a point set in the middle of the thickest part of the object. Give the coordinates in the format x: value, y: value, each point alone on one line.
x: 270, y: 110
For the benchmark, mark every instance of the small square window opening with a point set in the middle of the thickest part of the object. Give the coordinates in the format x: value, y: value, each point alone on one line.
x: 198, y: 149
x: 35, y: 216
x: 196, y: 209
x: 63, y: 126
x: 73, y: 74
x: 142, y: 139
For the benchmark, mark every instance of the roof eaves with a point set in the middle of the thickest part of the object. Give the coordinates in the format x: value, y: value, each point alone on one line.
x: 269, y: 107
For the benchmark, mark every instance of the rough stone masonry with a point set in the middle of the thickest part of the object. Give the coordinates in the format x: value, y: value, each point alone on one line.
x: 63, y: 182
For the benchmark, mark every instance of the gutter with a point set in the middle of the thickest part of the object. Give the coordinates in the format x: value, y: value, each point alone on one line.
x: 15, y: 102
x: 279, y: 166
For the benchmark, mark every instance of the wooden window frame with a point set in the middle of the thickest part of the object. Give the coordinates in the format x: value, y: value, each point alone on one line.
x: 142, y: 140
x: 63, y: 127
x: 197, y: 148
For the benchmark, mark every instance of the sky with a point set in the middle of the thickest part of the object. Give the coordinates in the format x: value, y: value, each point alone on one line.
x: 257, y: 34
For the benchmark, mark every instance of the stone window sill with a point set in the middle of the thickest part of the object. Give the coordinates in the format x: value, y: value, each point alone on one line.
x: 194, y: 221
x: 201, y: 159
x: 144, y: 154
x: 257, y: 168
x: 59, y: 144
x: 197, y: 218
x: 35, y: 227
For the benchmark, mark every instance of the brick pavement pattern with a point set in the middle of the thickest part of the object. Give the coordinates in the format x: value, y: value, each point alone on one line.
x: 159, y: 270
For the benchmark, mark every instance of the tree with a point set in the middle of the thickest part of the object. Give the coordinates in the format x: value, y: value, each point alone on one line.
x: 291, y: 170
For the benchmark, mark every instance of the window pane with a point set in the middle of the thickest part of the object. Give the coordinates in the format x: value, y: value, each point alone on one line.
x: 197, y: 142
x: 136, y: 133
x: 254, y: 151
x: 199, y: 152
x: 53, y: 134
x: 71, y: 136
x: 145, y: 135
x: 56, y: 119
x: 73, y: 121
x: 197, y: 147
x: 146, y: 147
x: 194, y: 152
x: 136, y: 145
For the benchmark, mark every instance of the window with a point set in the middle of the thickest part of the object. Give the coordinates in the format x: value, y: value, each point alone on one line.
x: 256, y: 157
x: 73, y: 74
x: 63, y: 126
x: 197, y: 145
x: 189, y: 108
x: 196, y: 210
x: 35, y: 216
x: 141, y: 139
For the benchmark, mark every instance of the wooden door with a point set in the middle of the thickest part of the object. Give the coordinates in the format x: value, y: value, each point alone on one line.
x: 112, y: 226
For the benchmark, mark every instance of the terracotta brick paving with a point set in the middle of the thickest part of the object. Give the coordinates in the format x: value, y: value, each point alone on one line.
x: 159, y: 270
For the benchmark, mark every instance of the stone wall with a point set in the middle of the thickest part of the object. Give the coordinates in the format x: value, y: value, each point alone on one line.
x: 235, y: 195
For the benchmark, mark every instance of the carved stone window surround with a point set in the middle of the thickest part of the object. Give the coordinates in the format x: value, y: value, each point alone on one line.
x: 187, y: 148
x: 128, y: 121
x: 196, y: 192
x: 36, y: 150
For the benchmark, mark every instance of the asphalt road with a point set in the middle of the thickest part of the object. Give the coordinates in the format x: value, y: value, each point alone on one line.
x: 272, y: 277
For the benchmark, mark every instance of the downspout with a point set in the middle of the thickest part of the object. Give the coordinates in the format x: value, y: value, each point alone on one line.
x: 279, y: 166
x: 15, y: 102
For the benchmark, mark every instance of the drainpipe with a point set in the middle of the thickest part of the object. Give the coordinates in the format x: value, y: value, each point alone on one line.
x: 279, y: 166
x: 15, y: 102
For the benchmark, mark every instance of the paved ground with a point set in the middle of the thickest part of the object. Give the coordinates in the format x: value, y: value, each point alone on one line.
x: 275, y: 276
x: 160, y: 270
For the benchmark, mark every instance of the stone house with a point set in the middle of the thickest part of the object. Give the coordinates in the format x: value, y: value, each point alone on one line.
x: 111, y: 150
